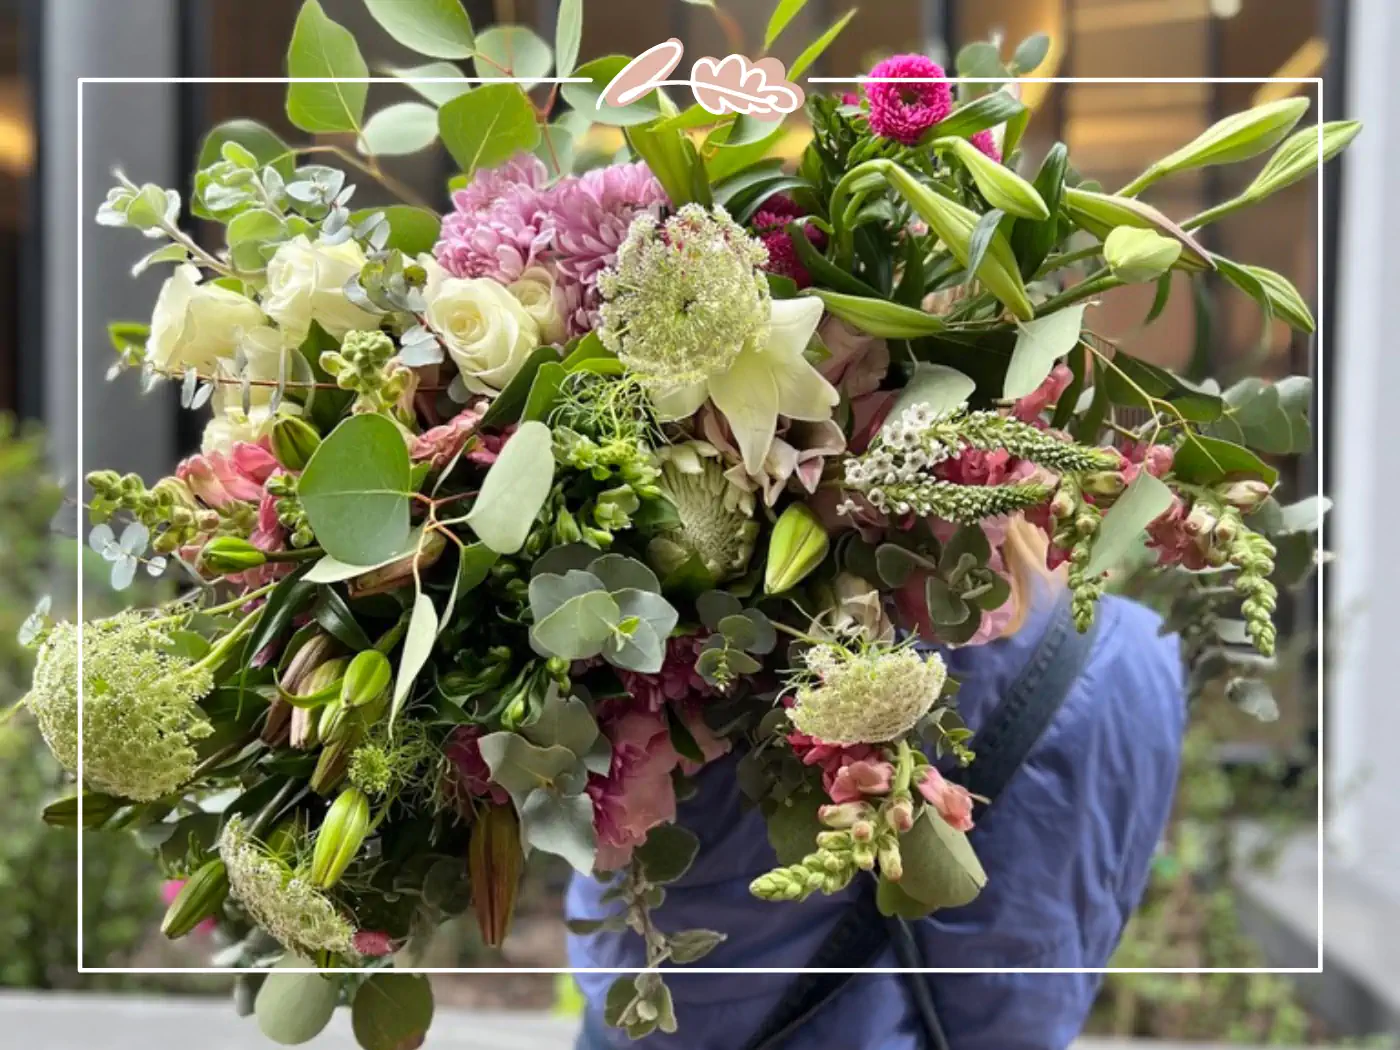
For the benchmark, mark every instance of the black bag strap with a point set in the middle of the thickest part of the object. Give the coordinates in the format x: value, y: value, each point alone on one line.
x: 1001, y: 745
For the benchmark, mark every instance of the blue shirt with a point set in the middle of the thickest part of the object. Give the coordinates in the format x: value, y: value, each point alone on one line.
x: 1066, y: 848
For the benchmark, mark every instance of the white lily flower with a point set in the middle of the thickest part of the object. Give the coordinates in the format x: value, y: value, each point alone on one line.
x: 766, y: 380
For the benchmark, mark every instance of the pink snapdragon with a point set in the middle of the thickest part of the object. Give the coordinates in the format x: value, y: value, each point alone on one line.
x: 218, y: 479
x: 860, y: 779
x: 1029, y: 408
x: 953, y: 802
x: 903, y: 112
x: 638, y: 793
x: 441, y: 443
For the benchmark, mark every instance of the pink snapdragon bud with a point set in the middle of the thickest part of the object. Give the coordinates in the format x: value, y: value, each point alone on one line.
x: 952, y: 801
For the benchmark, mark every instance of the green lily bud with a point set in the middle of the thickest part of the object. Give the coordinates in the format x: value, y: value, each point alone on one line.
x: 340, y: 838
x: 397, y: 573
x: 200, y: 898
x: 334, y: 721
x: 1237, y: 137
x: 293, y: 442
x: 954, y: 224
x: 1100, y: 213
x: 303, y: 729
x: 319, y: 686
x: 1297, y: 157
x: 1136, y: 255
x: 1001, y: 186
x: 97, y: 810
x: 494, y: 863
x: 228, y: 554
x: 879, y: 317
x: 797, y: 546
x: 331, y: 766
x: 1278, y: 291
x: 366, y: 678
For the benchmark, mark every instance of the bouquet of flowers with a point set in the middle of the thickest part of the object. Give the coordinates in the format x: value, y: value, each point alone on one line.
x: 508, y: 520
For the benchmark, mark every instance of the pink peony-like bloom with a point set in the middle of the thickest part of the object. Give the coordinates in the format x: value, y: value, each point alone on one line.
x: 952, y: 801
x: 858, y: 361
x: 497, y: 227
x: 1029, y: 408
x: 170, y: 889
x: 588, y: 219
x: 856, y: 780
x: 218, y: 479
x: 637, y: 794
x: 468, y: 775
x: 677, y: 682
x: 986, y: 142
x: 903, y: 112
x: 372, y: 943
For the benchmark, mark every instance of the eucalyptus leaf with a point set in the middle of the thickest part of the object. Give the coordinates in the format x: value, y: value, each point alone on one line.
x: 578, y: 628
x: 436, y: 28
x: 392, y: 1011
x: 1141, y: 503
x: 941, y: 868
x: 561, y: 825
x: 1039, y: 345
x: 515, y: 489
x: 405, y: 127
x: 512, y: 51
x: 355, y: 490
x: 417, y: 647
x: 432, y: 80
x: 321, y: 48
x: 293, y: 1008
x: 488, y: 126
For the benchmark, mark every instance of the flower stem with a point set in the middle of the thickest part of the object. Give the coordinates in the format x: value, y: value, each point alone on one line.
x: 1092, y: 285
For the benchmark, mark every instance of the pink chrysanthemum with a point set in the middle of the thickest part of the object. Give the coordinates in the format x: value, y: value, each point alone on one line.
x: 769, y: 223
x: 588, y: 220
x: 987, y: 143
x: 497, y: 228
x: 903, y: 112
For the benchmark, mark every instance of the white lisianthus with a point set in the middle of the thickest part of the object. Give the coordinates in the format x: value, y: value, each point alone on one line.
x: 535, y: 291
x: 195, y: 324
x: 486, y: 330
x: 306, y: 282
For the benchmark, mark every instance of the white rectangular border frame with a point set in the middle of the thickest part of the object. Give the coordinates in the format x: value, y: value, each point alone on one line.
x: 1317, y: 82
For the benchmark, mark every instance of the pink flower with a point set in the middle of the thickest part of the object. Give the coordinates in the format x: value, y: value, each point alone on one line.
x: 903, y: 112
x: 637, y: 794
x: 372, y: 943
x: 799, y: 451
x: 1029, y: 408
x: 497, y: 227
x: 770, y: 224
x: 677, y: 681
x: 440, y: 444
x: 218, y: 479
x: 858, y: 362
x: 952, y: 801
x: 468, y: 774
x: 855, y: 780
x: 588, y: 218
x: 987, y: 143
x: 850, y: 98
x: 170, y: 889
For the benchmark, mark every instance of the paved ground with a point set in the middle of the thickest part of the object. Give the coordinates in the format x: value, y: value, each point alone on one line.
x: 70, y: 1022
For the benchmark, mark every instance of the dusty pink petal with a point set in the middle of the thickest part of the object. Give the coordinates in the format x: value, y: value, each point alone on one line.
x: 372, y: 943
x: 857, y: 779
x: 952, y: 801
x: 638, y: 793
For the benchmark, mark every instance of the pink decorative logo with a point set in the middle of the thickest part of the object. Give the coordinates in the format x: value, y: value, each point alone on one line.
x: 721, y: 86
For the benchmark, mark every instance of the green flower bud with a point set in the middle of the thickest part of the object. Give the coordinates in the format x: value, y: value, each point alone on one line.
x: 879, y: 317
x: 1278, y: 292
x: 366, y: 678
x: 200, y: 898
x: 1135, y: 255
x: 1100, y: 213
x: 97, y: 810
x: 293, y: 442
x: 1103, y: 483
x: 340, y: 838
x: 797, y: 546
x: 953, y: 224
x: 398, y: 573
x: 320, y: 685
x: 1001, y: 186
x: 1297, y: 157
x: 229, y: 554
x: 1244, y: 495
x: 334, y: 761
x: 1237, y: 137
x: 495, y: 862
x: 334, y: 722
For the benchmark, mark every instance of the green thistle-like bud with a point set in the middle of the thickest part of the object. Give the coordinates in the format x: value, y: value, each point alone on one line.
x: 340, y: 837
x: 200, y: 898
x: 293, y: 442
x: 712, y: 524
x: 230, y: 554
x: 797, y: 546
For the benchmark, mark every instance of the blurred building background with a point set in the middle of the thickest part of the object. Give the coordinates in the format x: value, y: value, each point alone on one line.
x: 49, y: 366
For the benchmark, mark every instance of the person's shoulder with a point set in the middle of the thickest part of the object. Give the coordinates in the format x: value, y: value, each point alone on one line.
x: 1135, y: 659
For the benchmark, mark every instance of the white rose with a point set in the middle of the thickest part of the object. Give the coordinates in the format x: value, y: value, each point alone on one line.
x: 535, y: 291
x: 194, y: 324
x: 306, y: 282
x: 232, y: 426
x: 485, y: 329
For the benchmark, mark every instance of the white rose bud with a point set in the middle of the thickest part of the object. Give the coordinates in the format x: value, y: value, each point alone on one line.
x: 486, y: 330
x: 306, y: 282
x: 195, y: 324
x: 535, y: 291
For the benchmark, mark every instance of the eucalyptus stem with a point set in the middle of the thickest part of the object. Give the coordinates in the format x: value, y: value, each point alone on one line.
x: 374, y: 171
x: 213, y: 610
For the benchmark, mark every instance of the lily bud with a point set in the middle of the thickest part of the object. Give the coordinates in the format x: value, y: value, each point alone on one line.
x: 227, y: 554
x: 1001, y: 186
x: 797, y: 546
x: 293, y: 442
x: 334, y: 722
x: 97, y: 810
x: 320, y: 685
x: 331, y: 766
x: 1100, y: 213
x: 1280, y: 294
x: 1237, y: 137
x: 1136, y: 255
x: 1245, y: 495
x: 366, y: 678
x: 953, y: 224
x: 311, y: 654
x: 494, y: 864
x: 200, y: 898
x: 340, y: 838
x: 397, y: 573
x: 302, y: 731
x: 1297, y: 158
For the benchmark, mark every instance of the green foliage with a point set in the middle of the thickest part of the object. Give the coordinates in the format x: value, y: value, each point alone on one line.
x: 355, y: 491
x: 488, y: 126
x: 323, y: 48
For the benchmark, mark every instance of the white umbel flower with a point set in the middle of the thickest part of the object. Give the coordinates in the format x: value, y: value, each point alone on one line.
x: 868, y: 695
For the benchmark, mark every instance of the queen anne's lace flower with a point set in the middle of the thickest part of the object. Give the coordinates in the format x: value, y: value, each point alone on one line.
x: 141, y: 710
x: 867, y: 695
x: 288, y: 907
x: 685, y: 297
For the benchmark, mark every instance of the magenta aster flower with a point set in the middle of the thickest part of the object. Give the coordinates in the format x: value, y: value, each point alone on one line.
x: 987, y: 143
x: 588, y: 219
x: 769, y: 222
x: 903, y: 112
x: 497, y: 228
